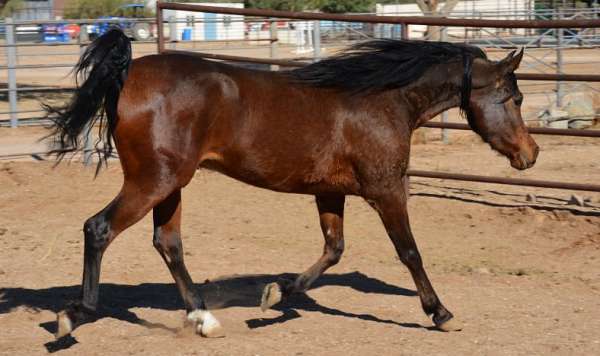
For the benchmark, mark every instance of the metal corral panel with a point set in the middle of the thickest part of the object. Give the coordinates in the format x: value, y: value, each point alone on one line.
x: 491, y: 9
x: 208, y: 26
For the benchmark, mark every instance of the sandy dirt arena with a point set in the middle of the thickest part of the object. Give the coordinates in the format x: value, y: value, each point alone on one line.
x: 523, y: 277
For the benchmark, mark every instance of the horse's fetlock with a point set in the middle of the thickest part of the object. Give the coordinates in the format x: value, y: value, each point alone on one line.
x: 335, y: 254
x: 441, y: 315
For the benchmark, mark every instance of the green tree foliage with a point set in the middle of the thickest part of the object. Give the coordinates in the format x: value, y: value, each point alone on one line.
x: 11, y: 6
x: 286, y: 5
x: 97, y: 8
x: 336, y: 6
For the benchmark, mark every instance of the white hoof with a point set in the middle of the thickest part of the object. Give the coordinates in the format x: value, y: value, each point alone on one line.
x: 271, y: 296
x: 210, y: 327
x: 64, y: 324
x: 450, y: 325
x: 206, y: 324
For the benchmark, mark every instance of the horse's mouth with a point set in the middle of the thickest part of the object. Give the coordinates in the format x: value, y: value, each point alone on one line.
x: 521, y: 162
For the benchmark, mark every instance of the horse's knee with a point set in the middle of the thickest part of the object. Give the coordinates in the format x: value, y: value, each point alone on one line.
x: 96, y: 231
x: 410, y: 257
x: 168, y: 244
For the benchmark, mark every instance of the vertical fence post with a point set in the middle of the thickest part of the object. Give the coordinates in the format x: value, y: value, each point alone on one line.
x: 274, y: 40
x: 559, y: 62
x: 445, y: 138
x: 84, y: 38
x: 160, y: 30
x: 87, y: 144
x: 172, y: 32
x: 316, y: 40
x: 404, y: 31
x: 11, y: 53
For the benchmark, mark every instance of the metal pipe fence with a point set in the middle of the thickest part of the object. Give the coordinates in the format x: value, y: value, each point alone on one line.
x: 545, y: 37
x: 404, y: 22
x: 316, y: 42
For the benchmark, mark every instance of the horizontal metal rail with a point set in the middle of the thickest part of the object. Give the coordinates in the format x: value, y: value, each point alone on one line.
x: 559, y: 77
x: 39, y: 66
x: 403, y: 20
x: 226, y: 57
x: 423, y: 21
x: 78, y: 21
x: 442, y: 175
x: 431, y: 124
x: 39, y: 89
x: 294, y: 63
x: 532, y: 130
x: 508, y: 181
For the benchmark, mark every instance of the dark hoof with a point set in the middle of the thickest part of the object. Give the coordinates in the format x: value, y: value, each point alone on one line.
x: 450, y: 325
x: 445, y: 321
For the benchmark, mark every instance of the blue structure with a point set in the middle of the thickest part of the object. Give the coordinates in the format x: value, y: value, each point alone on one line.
x: 210, y: 26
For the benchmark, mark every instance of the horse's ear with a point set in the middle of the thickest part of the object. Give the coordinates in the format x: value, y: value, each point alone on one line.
x: 486, y: 72
x: 512, y: 61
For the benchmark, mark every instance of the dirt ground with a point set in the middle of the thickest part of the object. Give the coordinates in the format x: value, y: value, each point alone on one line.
x: 523, y: 277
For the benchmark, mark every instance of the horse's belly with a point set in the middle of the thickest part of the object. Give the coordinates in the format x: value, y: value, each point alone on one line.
x: 286, y: 175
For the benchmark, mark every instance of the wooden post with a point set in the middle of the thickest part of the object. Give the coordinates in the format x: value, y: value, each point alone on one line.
x: 274, y: 40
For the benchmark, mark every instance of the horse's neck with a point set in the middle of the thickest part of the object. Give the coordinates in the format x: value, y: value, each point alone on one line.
x: 435, y: 92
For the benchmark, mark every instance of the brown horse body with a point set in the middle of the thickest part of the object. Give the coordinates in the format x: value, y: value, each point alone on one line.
x: 260, y: 128
x: 280, y: 131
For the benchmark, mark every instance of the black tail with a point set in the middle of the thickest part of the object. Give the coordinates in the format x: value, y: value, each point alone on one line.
x: 103, y: 69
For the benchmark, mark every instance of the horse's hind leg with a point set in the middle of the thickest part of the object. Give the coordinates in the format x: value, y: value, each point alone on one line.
x: 331, y: 215
x: 392, y: 209
x: 167, y: 241
x: 133, y: 202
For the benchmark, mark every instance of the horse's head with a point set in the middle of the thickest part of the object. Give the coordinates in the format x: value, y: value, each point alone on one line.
x: 494, y: 110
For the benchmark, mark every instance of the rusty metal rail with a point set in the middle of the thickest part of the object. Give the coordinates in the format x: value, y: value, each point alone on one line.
x: 226, y: 57
x: 401, y: 20
x: 532, y: 130
x: 405, y: 21
x: 294, y: 63
x: 508, y: 181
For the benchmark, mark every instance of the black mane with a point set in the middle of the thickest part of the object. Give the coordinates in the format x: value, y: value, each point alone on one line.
x: 387, y: 64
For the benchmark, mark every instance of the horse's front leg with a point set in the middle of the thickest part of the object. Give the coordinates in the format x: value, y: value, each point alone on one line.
x: 392, y: 208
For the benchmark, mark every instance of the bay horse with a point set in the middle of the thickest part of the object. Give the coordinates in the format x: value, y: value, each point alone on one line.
x: 338, y: 127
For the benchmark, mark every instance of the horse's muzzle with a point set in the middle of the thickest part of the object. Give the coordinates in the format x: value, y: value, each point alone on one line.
x: 526, y: 158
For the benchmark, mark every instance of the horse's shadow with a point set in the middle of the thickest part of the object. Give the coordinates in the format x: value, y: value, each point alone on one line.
x: 225, y: 292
